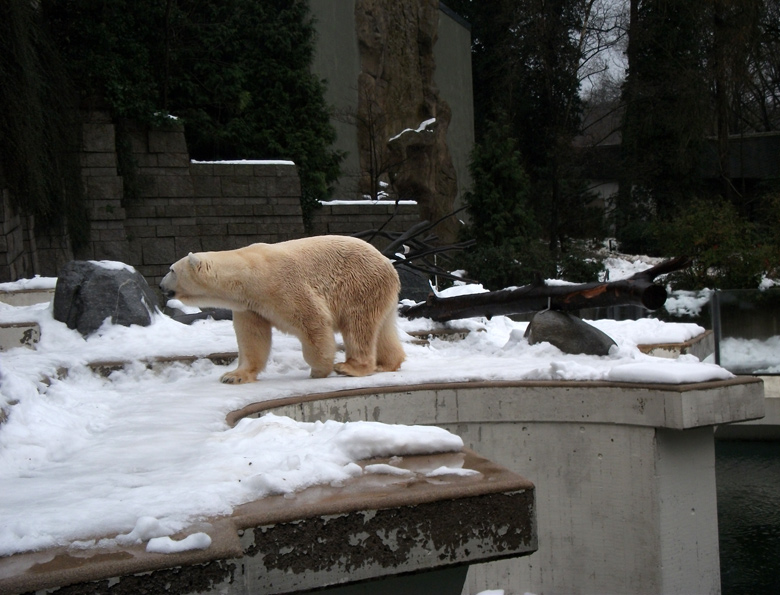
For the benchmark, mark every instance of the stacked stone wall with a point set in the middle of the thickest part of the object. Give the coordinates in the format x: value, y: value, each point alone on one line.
x: 103, y: 189
x: 160, y: 206
x: 15, y: 260
x: 350, y: 218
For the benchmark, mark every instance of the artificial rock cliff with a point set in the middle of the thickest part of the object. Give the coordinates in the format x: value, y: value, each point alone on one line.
x: 396, y: 94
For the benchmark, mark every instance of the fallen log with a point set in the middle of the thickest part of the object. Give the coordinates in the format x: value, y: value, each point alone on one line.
x: 638, y: 289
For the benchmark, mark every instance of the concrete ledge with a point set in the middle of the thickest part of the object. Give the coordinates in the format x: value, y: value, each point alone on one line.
x: 669, y: 406
x: 624, y: 473
x: 106, y: 367
x: 26, y: 297
x: 19, y: 334
x: 766, y: 428
x: 700, y: 346
x: 373, y: 527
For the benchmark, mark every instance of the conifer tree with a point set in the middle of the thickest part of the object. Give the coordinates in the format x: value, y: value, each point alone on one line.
x: 507, y: 250
x: 237, y: 73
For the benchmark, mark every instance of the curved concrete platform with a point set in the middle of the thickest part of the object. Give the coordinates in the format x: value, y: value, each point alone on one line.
x: 673, y: 406
x: 624, y: 499
x: 624, y: 473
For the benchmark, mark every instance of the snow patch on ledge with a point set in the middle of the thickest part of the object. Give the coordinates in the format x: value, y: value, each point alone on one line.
x: 421, y: 128
x: 112, y: 265
x: 329, y: 203
x: 250, y: 162
x: 166, y: 545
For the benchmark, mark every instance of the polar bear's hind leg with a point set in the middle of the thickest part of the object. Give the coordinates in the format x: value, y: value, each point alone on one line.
x: 389, y: 351
x: 360, y: 347
x: 319, y: 349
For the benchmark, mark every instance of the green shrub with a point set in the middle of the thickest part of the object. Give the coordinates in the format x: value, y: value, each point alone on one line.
x: 507, y: 252
x: 580, y: 265
x: 236, y: 73
x: 725, y: 247
x: 507, y: 265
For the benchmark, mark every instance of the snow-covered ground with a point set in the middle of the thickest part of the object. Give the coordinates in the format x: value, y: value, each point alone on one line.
x: 95, y: 462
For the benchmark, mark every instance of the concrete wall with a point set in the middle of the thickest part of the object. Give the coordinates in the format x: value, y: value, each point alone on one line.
x: 624, y: 474
x: 347, y: 219
x: 15, y: 261
x: 337, y: 61
x: 165, y: 206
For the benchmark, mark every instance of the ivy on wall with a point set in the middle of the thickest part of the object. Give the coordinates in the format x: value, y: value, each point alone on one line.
x: 236, y: 72
x: 38, y: 128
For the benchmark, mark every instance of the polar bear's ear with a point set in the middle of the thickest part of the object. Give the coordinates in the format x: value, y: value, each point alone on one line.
x: 193, y: 260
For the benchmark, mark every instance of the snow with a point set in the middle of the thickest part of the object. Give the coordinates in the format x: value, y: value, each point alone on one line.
x: 166, y: 545
x: 439, y: 471
x: 36, y: 282
x: 758, y: 356
x: 421, y: 128
x: 250, y: 162
x: 623, y: 267
x: 113, y: 265
x: 146, y: 454
x: 687, y: 303
x: 366, y: 201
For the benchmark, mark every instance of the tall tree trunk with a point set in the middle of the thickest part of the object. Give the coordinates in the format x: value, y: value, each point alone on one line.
x: 721, y: 83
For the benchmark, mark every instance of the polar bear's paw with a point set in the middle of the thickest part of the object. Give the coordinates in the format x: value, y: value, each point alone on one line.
x: 389, y: 367
x: 238, y: 377
x: 352, y: 368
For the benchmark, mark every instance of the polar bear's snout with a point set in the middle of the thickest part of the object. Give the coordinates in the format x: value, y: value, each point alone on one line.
x: 168, y: 285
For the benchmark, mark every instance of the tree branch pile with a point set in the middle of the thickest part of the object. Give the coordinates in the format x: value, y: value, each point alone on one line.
x: 417, y: 248
x: 638, y: 289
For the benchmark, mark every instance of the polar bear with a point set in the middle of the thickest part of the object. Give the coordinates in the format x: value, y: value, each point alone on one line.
x: 309, y: 288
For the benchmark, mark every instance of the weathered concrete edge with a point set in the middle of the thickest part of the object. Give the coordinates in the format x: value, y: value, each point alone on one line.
x: 59, y: 568
x: 701, y: 346
x: 434, y: 536
x: 765, y: 428
x: 26, y: 297
x: 673, y: 406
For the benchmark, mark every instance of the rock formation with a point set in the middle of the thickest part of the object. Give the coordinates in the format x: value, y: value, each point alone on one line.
x: 396, y: 96
x: 568, y: 333
x: 90, y: 292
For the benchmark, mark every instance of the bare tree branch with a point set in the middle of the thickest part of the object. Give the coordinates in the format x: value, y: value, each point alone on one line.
x: 638, y: 289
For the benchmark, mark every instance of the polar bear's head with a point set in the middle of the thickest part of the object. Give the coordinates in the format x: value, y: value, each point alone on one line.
x: 191, y: 281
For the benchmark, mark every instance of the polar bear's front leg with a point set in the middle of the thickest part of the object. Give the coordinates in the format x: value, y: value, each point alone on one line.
x: 253, y: 333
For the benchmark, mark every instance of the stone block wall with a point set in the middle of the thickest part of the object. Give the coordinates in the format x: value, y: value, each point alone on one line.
x: 15, y: 260
x: 166, y: 206
x: 159, y: 205
x: 103, y: 189
x: 351, y: 217
x: 215, y: 206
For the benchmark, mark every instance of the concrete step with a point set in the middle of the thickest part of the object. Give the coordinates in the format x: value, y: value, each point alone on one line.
x: 26, y: 297
x: 19, y: 334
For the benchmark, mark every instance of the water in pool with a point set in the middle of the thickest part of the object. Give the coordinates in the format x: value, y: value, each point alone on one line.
x: 748, y: 480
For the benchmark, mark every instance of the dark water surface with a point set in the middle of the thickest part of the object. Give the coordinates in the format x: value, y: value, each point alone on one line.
x: 748, y: 478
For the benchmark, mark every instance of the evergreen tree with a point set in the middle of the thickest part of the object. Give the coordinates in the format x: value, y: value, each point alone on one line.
x: 235, y: 71
x: 665, y: 97
x: 38, y: 127
x: 507, y: 251
x: 526, y: 59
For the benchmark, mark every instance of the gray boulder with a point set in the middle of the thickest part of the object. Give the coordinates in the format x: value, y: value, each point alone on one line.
x: 568, y: 333
x: 414, y: 284
x: 88, y: 292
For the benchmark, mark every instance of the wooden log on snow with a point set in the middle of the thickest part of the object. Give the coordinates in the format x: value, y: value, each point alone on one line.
x: 638, y: 289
